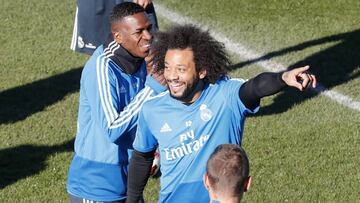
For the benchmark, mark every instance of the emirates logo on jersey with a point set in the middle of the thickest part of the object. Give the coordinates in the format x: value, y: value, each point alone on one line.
x: 205, y: 113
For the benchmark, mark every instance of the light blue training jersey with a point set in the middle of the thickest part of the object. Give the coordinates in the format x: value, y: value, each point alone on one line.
x: 110, y: 100
x: 187, y: 135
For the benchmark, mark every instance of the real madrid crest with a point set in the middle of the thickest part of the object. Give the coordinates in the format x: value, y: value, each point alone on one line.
x: 205, y: 113
x: 80, y: 42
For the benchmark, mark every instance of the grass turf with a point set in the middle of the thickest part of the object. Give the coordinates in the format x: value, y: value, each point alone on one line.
x: 302, y: 147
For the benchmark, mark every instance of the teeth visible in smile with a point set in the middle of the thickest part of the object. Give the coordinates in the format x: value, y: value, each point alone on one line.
x: 176, y: 86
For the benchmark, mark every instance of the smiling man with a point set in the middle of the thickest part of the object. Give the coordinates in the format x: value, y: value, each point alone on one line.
x: 92, y: 27
x: 112, y: 90
x: 202, y: 109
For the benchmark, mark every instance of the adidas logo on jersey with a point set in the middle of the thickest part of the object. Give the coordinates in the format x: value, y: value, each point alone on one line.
x: 122, y: 89
x: 165, y: 128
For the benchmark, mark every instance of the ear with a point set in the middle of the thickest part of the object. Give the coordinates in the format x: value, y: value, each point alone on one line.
x: 247, y: 184
x: 202, y: 73
x: 206, y: 181
x: 117, y: 36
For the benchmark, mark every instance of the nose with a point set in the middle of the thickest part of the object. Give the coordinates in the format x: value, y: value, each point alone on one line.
x: 170, y: 74
x: 147, y: 35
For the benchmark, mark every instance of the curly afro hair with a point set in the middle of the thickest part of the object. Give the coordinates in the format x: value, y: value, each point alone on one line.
x: 208, y: 53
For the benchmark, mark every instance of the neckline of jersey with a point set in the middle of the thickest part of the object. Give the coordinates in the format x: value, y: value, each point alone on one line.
x: 194, y: 105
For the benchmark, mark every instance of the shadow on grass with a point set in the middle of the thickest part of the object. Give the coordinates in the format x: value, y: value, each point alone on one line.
x: 24, y: 161
x: 333, y: 66
x: 20, y: 102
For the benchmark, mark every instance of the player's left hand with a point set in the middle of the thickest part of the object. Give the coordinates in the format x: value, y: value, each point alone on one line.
x: 143, y: 3
x: 299, y: 78
x: 156, y: 163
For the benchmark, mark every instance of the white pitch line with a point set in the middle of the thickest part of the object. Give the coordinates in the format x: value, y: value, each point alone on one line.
x: 243, y: 52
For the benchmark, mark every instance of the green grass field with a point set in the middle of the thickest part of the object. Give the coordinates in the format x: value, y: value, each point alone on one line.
x: 303, y: 147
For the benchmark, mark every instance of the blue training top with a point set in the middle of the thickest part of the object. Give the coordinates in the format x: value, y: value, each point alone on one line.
x: 187, y: 135
x: 110, y: 100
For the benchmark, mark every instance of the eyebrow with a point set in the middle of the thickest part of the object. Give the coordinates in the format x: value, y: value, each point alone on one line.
x: 137, y: 30
x: 181, y: 65
x: 144, y: 28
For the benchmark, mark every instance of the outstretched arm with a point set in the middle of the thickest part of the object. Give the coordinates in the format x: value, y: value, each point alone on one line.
x: 267, y: 83
x: 139, y: 172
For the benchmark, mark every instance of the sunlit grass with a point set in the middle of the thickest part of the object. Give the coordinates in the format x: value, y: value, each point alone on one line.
x: 302, y: 147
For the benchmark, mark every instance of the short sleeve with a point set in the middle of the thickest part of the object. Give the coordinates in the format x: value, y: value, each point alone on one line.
x: 144, y: 141
x: 231, y: 88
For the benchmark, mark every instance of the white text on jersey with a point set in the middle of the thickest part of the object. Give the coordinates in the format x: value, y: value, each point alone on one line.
x: 185, y: 149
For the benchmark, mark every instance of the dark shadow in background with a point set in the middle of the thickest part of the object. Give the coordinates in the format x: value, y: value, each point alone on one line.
x: 18, y: 103
x: 332, y: 66
x: 23, y: 161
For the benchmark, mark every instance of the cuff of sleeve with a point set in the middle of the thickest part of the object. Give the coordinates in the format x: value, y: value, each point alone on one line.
x: 254, y: 111
x: 144, y: 150
x: 155, y: 85
x: 280, y: 80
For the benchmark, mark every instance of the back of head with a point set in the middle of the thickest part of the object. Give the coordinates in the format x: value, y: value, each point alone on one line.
x: 124, y: 9
x: 228, y: 170
x: 208, y: 53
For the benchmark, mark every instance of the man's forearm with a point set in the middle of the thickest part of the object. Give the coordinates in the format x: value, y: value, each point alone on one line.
x: 139, y: 172
x: 262, y: 85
